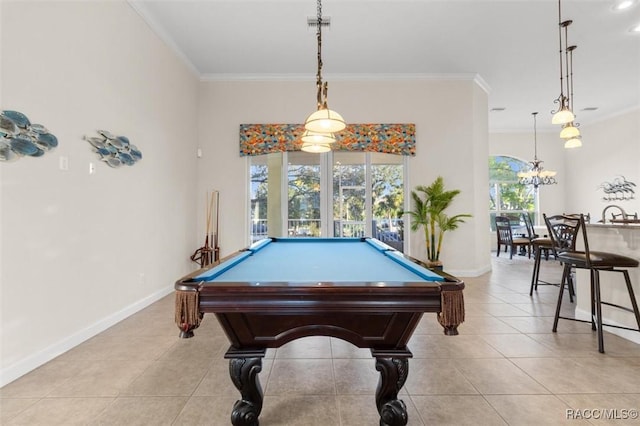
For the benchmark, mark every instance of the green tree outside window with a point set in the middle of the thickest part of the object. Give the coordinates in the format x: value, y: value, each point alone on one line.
x: 507, y: 197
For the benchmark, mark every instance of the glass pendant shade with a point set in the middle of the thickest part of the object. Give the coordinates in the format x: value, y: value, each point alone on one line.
x: 316, y: 148
x: 573, y: 143
x: 563, y: 116
x: 569, y: 131
x: 325, y: 120
x: 537, y: 173
x: 317, y: 138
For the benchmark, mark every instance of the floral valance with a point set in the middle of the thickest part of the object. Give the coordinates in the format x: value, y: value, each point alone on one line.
x: 259, y: 139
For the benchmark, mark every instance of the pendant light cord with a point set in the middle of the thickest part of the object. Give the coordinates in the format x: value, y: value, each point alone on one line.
x: 535, y: 138
x: 322, y: 91
x: 560, y: 45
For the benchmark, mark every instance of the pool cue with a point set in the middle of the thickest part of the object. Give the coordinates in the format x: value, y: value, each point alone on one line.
x: 207, y: 213
x: 208, y: 248
x: 216, y: 249
x: 203, y: 255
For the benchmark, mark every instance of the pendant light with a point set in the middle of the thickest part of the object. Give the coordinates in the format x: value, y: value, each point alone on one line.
x: 321, y: 124
x: 564, y: 114
x: 316, y: 148
x: 570, y: 132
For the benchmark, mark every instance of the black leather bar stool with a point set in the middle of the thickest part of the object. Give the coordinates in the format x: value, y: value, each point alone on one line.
x: 563, y: 229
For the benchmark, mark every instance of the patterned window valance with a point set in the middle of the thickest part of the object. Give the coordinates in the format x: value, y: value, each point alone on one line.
x: 259, y: 139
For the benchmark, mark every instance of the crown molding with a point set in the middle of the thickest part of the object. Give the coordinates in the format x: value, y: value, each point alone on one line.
x: 349, y: 77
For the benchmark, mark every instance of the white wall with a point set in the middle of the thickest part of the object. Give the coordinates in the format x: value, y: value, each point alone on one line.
x: 610, y: 148
x: 480, y: 189
x: 78, y: 251
x: 453, y: 148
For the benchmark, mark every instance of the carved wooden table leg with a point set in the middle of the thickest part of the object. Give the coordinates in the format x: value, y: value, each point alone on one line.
x: 394, y: 369
x: 244, y: 368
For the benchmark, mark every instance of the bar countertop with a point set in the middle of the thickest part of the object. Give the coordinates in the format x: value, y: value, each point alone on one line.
x: 622, y: 224
x: 620, y: 238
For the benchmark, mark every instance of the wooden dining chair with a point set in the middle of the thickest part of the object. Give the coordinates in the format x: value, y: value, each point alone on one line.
x: 544, y: 243
x: 539, y: 246
x: 505, y: 238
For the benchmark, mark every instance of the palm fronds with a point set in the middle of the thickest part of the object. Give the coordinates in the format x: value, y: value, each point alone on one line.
x: 429, y: 203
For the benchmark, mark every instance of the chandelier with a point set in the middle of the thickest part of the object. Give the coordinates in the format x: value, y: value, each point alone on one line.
x: 536, y: 175
x: 323, y: 123
x: 564, y: 114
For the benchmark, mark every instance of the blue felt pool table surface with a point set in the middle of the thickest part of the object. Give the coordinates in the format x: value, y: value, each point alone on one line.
x: 342, y: 261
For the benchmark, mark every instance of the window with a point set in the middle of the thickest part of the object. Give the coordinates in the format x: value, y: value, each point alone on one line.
x: 387, y: 193
x: 341, y: 194
x: 507, y: 197
x: 349, y: 194
x: 259, y: 196
x: 303, y: 195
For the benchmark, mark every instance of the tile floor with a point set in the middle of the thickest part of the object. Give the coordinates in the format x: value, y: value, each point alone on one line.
x: 505, y: 367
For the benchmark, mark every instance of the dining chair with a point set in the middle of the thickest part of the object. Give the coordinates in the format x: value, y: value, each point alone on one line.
x: 539, y: 246
x: 505, y: 237
x: 563, y: 231
x: 543, y: 242
x: 528, y: 223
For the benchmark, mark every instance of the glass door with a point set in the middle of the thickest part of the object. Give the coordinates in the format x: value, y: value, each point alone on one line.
x: 387, y: 198
x: 340, y: 194
x: 260, y: 196
x: 349, y: 195
x: 303, y: 195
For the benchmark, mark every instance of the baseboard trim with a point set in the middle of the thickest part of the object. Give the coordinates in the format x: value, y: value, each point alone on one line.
x: 631, y: 335
x: 30, y: 363
x: 469, y: 272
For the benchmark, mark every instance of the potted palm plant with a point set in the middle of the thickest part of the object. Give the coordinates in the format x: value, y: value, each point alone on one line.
x: 429, y: 204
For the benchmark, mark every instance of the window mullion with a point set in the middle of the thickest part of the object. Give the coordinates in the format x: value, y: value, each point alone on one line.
x: 284, y: 197
x: 326, y: 195
x: 368, y: 194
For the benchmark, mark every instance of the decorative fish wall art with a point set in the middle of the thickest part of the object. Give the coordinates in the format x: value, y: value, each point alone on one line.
x: 619, y: 189
x: 19, y: 138
x: 114, y: 150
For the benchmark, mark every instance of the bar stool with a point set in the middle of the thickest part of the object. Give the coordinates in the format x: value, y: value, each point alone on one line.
x: 540, y: 246
x: 563, y: 230
x: 565, y: 241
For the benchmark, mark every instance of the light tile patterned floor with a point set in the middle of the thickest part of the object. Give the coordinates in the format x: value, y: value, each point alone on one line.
x: 505, y: 367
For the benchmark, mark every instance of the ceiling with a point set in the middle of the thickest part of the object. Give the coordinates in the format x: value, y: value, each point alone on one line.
x: 511, y: 45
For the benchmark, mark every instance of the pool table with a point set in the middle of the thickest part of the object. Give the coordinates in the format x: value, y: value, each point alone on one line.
x: 356, y: 289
